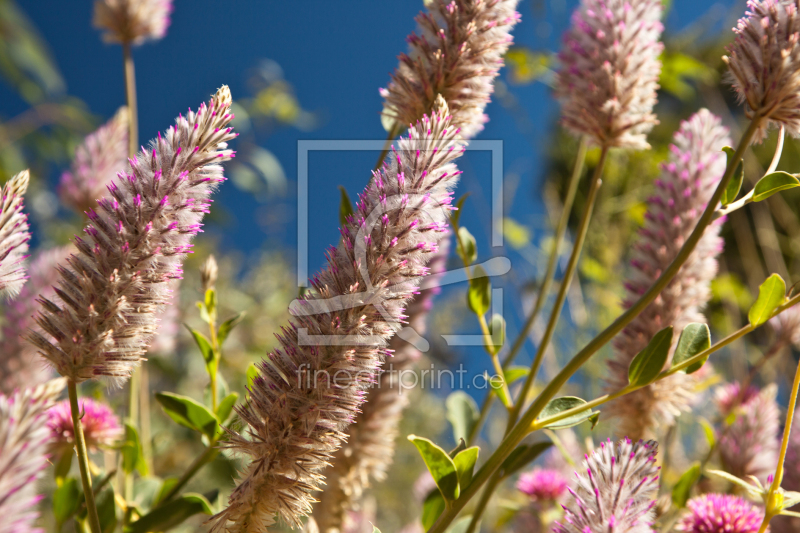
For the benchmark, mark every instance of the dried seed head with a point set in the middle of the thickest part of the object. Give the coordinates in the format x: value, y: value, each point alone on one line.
x: 132, y: 21
x: 208, y: 273
x: 14, y: 235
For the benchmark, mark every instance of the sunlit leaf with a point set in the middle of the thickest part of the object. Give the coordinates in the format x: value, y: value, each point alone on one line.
x: 189, y: 413
x: 479, y: 295
x: 774, y: 183
x: 462, y: 412
x: 648, y: 363
x: 695, y: 338
x: 771, y: 294
x: 565, y: 403
x: 173, y: 513
x: 440, y: 465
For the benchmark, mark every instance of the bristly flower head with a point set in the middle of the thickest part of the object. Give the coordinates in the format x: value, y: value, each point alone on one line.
x: 749, y: 446
x: 97, y: 161
x: 20, y: 365
x: 721, y: 513
x: 14, y: 235
x: 24, y: 443
x: 457, y: 54
x: 764, y: 61
x: 609, y: 75
x: 132, y: 21
x: 542, y: 484
x: 309, y: 391
x: 112, y: 290
x: 687, y: 182
x: 730, y: 396
x: 617, y: 492
x: 101, y: 426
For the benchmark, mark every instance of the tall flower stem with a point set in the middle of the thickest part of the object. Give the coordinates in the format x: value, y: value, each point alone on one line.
x: 523, y: 427
x: 555, y: 313
x: 547, y: 280
x: 130, y: 96
x: 83, y: 458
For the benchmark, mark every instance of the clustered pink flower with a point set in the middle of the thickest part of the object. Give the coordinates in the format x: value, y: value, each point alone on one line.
x: 97, y: 161
x: 764, y: 62
x: 542, y: 484
x: 132, y: 21
x: 14, y: 234
x: 721, y: 513
x: 101, y: 426
x: 457, y: 54
x: 609, y: 75
x: 617, y: 492
x: 298, y: 412
x: 111, y: 292
x: 730, y: 396
x: 24, y: 443
x: 687, y: 182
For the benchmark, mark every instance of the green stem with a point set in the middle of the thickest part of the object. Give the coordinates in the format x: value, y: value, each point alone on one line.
x: 482, y: 503
x: 130, y: 96
x: 555, y: 313
x: 200, y: 461
x: 83, y: 458
x: 521, y: 429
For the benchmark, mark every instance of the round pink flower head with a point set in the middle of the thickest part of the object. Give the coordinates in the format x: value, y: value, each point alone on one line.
x: 101, y: 426
x: 721, y: 513
x: 542, y: 484
x: 609, y: 74
x: 132, y: 21
x: 764, y: 61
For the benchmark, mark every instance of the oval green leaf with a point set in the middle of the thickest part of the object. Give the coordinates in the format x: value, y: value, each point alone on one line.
x: 440, y: 465
x: 226, y: 327
x: 771, y: 294
x: 432, y: 508
x: 225, y: 407
x: 695, y: 338
x: 189, y: 413
x: 463, y: 414
x: 774, y: 183
x: 479, y: 296
x: 513, y: 373
x: 648, y: 363
x: 172, y: 513
x: 735, y: 184
x: 682, y: 489
x: 497, y: 328
x: 465, y: 465
x: 565, y: 403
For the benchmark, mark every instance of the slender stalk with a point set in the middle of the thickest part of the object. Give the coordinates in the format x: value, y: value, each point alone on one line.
x: 200, y: 461
x: 482, y: 503
x: 555, y: 313
x: 212, y: 331
x: 522, y: 428
x: 83, y: 458
x: 778, y: 151
x: 144, y: 420
x: 130, y: 96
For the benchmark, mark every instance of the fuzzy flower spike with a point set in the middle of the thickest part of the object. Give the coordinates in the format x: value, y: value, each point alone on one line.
x: 24, y: 443
x: 110, y: 292
x: 609, y: 74
x: 457, y: 54
x: 764, y: 62
x: 14, y: 235
x: 688, y: 180
x: 309, y: 391
x: 720, y: 513
x: 132, y: 21
x: 617, y: 492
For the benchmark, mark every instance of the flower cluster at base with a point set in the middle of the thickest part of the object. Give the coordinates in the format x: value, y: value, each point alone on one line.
x: 14, y: 234
x: 132, y: 21
x: 721, y: 513
x: 609, y: 77
x: 308, y: 392
x: 111, y: 291
x: 24, y: 444
x: 457, y: 55
x: 764, y: 61
x: 617, y: 492
x: 687, y: 182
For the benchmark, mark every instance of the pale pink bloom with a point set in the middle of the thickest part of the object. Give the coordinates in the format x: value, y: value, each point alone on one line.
x: 24, y: 443
x: 14, y: 235
x: 541, y: 484
x: 97, y: 161
x: 721, y: 513
x: 787, y: 326
x: 609, y: 71
x: 101, y: 427
x: 112, y: 290
x: 730, y: 396
x: 457, y: 54
x: 764, y: 61
x: 308, y: 392
x: 132, y: 21
x: 687, y: 182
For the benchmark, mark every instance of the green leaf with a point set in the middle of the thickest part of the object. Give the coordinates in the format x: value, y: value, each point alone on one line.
x: 461, y: 525
x: 131, y: 450
x: 479, y: 296
x: 187, y: 412
x: 522, y: 455
x: 682, y: 489
x: 648, y: 363
x: 172, y: 513
x: 594, y: 420
x: 695, y: 338
x: 166, y: 486
x: 203, y: 343
x: 735, y: 184
x: 456, y: 215
x: 497, y: 328
x: 564, y: 403
x: 465, y: 465
x: 439, y: 464
x: 345, y: 206
x: 106, y: 510
x: 432, y: 508
x: 252, y: 373
x: 771, y: 294
x: 63, y: 464
x: 66, y: 500
x: 211, y: 302
x: 463, y: 414
x: 226, y: 327
x: 498, y: 387
x: 467, y: 249
x: 226, y: 406
x: 708, y: 429
x: 513, y: 373
x: 735, y: 480
x: 774, y: 183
